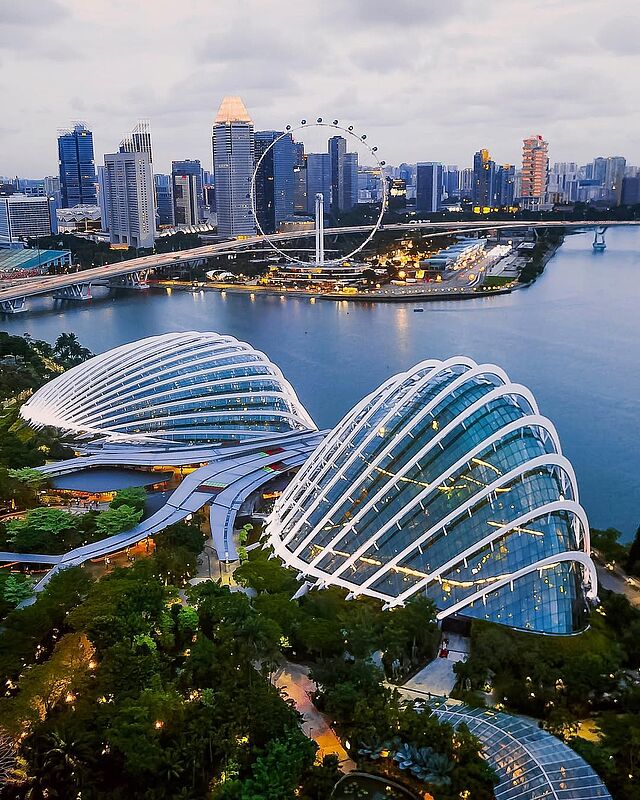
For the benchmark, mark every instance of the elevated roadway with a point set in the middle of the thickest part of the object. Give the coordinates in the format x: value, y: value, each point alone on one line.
x: 48, y: 284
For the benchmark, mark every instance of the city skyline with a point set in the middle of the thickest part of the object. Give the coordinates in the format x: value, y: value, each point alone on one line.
x: 392, y: 71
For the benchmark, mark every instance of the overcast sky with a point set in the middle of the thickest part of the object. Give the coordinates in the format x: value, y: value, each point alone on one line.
x: 430, y: 80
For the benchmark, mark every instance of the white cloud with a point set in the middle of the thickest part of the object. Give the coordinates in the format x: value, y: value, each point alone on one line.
x: 428, y: 80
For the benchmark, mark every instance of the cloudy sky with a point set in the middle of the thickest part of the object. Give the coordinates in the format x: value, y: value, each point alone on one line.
x: 427, y: 79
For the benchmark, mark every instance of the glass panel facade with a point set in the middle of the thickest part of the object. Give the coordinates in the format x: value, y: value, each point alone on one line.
x: 446, y: 484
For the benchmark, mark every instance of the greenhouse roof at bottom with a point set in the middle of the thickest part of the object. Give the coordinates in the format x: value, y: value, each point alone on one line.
x: 530, y: 763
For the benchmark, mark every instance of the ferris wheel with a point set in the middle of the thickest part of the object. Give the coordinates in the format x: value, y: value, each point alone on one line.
x: 319, y: 199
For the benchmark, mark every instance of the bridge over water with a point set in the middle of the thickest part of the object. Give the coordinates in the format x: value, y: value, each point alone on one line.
x: 77, y: 285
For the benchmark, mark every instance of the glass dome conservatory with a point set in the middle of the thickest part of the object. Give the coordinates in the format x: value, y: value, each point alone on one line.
x: 178, y: 387
x: 446, y: 481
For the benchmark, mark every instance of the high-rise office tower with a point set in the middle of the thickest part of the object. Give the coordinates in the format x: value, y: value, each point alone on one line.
x: 483, y: 193
x: 52, y: 189
x: 22, y: 217
x: 505, y: 186
x: 318, y: 180
x: 129, y: 197
x: 465, y: 183
x: 300, y: 180
x: 233, y: 162
x: 185, y: 199
x: 164, y: 199
x: 428, y: 186
x: 535, y: 168
x: 349, y: 196
x: 192, y: 167
x: 77, y: 167
x: 630, y: 191
x: 139, y: 140
x: 407, y: 173
x: 451, y: 181
x: 614, y: 175
x: 102, y: 199
x: 337, y: 148
x: 275, y: 178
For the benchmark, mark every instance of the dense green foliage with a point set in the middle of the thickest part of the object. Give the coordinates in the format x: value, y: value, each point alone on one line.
x: 372, y: 718
x: 607, y: 544
x: 324, y: 624
x: 138, y: 685
x: 25, y: 365
x: 133, y: 496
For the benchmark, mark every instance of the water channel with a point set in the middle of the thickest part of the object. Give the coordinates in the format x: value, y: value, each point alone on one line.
x: 573, y: 338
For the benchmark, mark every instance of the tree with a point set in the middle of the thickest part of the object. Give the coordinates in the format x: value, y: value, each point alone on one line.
x: 277, y: 773
x: 68, y: 350
x: 132, y: 496
x: 117, y: 520
x: 608, y: 545
x: 16, y: 589
x: 41, y: 530
x: 266, y: 574
x: 633, y: 558
x: 45, y: 685
x: 31, y: 477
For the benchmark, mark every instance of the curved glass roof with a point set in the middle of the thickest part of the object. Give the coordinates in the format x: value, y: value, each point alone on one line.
x: 531, y: 764
x: 445, y: 481
x: 177, y: 387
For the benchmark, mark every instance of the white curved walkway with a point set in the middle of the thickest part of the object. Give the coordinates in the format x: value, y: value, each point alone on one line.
x: 228, y: 478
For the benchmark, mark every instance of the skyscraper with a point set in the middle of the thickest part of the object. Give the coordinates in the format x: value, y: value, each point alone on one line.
x: 139, y: 140
x: 349, y: 196
x: 428, y: 186
x: 484, y: 179
x: 77, y: 167
x: 535, y: 168
x: 102, y: 199
x: 233, y: 161
x: 318, y: 180
x: 451, y: 181
x: 465, y: 183
x: 22, y: 217
x: 614, y: 175
x: 129, y: 198
x: 192, y: 167
x: 52, y: 189
x: 505, y: 186
x: 275, y: 180
x: 185, y: 199
x: 337, y: 149
x: 164, y: 199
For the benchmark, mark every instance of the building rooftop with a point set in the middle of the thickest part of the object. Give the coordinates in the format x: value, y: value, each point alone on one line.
x: 530, y: 763
x: 232, y: 109
x: 27, y: 259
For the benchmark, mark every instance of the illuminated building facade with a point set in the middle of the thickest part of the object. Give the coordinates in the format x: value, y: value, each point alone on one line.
x: 535, y: 168
x: 233, y: 163
x: 175, y: 388
x: 77, y: 167
x: 445, y: 481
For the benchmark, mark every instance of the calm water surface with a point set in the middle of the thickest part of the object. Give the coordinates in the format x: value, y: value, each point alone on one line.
x: 572, y: 338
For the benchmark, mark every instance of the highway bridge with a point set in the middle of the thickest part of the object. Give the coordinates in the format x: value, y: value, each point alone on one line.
x: 76, y: 285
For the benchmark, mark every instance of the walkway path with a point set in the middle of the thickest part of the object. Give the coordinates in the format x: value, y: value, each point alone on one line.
x: 226, y: 481
x: 294, y: 681
x: 438, y: 677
